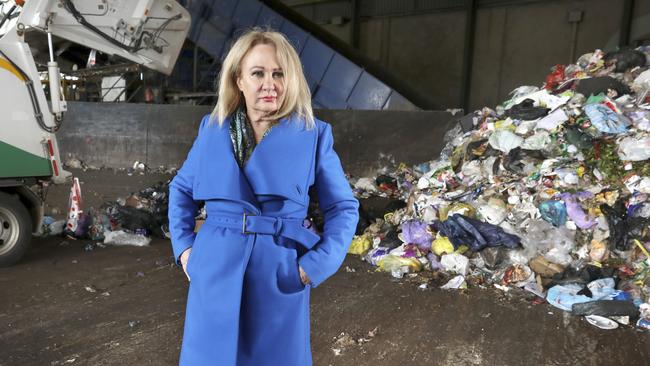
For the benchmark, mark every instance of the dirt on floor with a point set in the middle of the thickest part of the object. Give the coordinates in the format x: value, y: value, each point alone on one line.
x: 71, y: 303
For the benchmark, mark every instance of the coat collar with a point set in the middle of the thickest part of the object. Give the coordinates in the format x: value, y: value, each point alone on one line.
x: 281, y: 164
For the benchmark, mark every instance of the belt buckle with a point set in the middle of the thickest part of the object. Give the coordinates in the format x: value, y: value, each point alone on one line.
x: 243, y: 227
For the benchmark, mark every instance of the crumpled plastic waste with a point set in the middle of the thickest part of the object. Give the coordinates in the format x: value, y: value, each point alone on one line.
x: 606, y: 308
x: 463, y: 230
x: 555, y: 244
x: 456, y: 283
x: 538, y: 141
x: 623, y: 229
x: 601, y: 85
x: 504, y: 140
x: 360, y: 245
x: 417, y: 232
x: 441, y: 245
x: 554, y: 212
x: 555, y: 78
x: 564, y: 296
x: 518, y: 275
x: 634, y: 148
x: 51, y: 227
x: 553, y: 120
x: 641, y: 119
x: 455, y: 263
x: 576, y: 137
x: 398, y: 266
x: 493, y: 212
x: 644, y: 318
x: 625, y: 59
x: 526, y: 110
x: 605, y: 119
x: 121, y: 237
x: 574, y: 210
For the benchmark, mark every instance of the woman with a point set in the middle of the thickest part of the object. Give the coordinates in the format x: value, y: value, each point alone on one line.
x: 253, y: 262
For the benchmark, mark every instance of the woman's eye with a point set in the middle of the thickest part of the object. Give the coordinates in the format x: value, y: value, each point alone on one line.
x: 259, y: 74
x: 278, y: 75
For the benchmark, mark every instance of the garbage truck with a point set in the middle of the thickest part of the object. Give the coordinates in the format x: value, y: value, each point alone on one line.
x: 148, y: 32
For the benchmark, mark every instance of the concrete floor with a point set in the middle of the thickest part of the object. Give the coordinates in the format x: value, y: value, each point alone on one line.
x: 63, y: 305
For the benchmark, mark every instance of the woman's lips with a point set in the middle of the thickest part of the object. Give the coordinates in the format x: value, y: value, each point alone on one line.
x: 268, y: 99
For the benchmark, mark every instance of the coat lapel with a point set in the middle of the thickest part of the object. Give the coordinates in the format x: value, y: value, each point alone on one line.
x: 280, y: 165
x: 219, y: 176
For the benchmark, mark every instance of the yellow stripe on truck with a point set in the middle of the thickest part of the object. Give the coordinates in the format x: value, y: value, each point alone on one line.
x: 4, y: 64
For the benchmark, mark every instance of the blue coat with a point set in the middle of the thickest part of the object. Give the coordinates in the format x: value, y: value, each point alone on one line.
x: 246, y: 303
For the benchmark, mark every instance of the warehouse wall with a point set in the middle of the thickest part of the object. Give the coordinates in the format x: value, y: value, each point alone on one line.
x: 116, y: 135
x: 515, y: 44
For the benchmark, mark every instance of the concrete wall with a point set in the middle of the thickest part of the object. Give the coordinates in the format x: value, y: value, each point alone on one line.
x: 117, y: 135
x: 424, y: 50
x: 518, y: 45
x: 515, y: 45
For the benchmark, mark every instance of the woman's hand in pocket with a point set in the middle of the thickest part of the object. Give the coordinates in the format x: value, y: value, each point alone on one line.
x: 303, y: 276
x: 185, y: 256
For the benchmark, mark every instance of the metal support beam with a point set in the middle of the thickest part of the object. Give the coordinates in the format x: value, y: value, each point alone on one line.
x: 468, y: 53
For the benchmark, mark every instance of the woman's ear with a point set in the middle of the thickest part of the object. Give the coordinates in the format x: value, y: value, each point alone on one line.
x: 239, y: 83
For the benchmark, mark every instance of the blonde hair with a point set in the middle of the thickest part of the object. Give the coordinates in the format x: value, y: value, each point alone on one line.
x: 297, y: 97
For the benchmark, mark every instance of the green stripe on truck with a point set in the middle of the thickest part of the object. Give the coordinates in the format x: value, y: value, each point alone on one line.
x: 15, y: 163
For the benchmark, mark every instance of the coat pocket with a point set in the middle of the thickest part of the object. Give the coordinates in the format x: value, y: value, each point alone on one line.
x: 288, y: 273
x: 193, y: 256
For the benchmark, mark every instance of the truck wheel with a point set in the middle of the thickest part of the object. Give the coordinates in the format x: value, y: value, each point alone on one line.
x: 15, y: 229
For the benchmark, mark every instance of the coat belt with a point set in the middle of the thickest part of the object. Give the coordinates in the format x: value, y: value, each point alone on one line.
x: 267, y: 225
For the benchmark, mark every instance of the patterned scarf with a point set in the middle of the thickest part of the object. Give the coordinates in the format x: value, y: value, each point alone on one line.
x: 243, y: 136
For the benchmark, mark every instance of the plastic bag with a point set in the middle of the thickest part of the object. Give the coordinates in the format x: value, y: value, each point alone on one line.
x: 575, y: 212
x: 553, y: 212
x: 360, y: 245
x: 600, y: 85
x: 555, y: 78
x: 553, y: 120
x: 492, y: 213
x: 441, y: 245
x: 417, y: 232
x: 455, y: 283
x: 539, y: 141
x: 623, y: 229
x: 463, y: 230
x: 564, y: 296
x: 605, y: 308
x: 526, y: 111
x: 605, y: 119
x: 455, y: 263
x: 625, y: 59
x: 504, y: 140
x: 554, y: 244
x: 399, y: 265
x: 121, y: 237
x: 634, y: 148
x: 375, y: 255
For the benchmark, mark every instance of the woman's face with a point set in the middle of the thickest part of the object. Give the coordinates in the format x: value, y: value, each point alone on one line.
x: 261, y: 80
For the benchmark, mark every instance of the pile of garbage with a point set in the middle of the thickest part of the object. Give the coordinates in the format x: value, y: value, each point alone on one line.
x: 548, y: 192
x: 127, y: 221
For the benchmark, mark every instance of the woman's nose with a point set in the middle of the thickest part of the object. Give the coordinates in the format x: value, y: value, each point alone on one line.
x: 268, y: 83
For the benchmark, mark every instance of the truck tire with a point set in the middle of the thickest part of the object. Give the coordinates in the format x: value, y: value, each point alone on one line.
x: 15, y: 229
